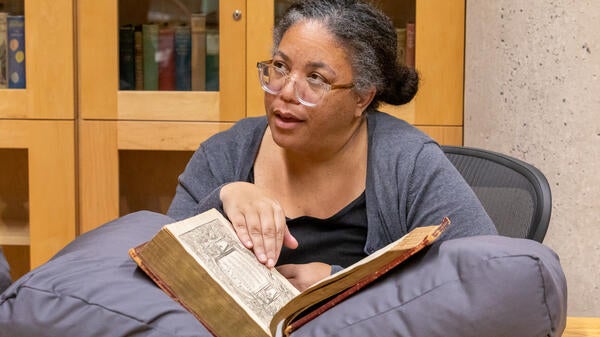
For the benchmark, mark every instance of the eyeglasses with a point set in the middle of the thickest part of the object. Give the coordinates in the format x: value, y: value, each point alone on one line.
x: 273, y: 77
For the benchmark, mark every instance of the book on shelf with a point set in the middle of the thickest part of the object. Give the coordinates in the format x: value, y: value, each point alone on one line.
x: 212, y: 59
x: 183, y: 55
x: 166, y: 58
x: 126, y: 57
x: 410, y: 45
x: 15, y: 35
x: 198, y: 55
x: 138, y: 49
x: 3, y: 51
x: 201, y: 264
x: 150, y: 50
x: 401, y: 45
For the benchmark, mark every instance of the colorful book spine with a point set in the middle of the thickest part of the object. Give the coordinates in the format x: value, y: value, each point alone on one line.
x: 126, y: 58
x: 138, y: 48
x: 183, y: 55
x: 3, y: 52
x: 150, y: 45
x: 166, y: 58
x: 198, y: 57
x: 212, y: 60
x: 15, y: 31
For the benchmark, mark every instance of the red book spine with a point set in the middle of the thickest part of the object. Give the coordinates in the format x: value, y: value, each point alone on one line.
x: 166, y: 59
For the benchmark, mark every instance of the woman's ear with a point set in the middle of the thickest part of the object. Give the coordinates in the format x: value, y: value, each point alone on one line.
x: 363, y: 99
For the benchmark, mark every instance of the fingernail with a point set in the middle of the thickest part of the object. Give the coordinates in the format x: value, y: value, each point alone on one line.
x: 270, y: 263
x: 262, y: 257
x: 248, y: 244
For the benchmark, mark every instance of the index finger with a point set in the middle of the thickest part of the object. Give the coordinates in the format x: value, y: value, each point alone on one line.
x: 272, y: 232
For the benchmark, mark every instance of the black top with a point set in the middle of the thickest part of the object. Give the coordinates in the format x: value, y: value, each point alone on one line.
x: 337, y: 240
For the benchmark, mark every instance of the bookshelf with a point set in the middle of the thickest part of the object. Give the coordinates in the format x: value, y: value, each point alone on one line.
x: 37, y: 139
x: 119, y: 129
x: 77, y: 152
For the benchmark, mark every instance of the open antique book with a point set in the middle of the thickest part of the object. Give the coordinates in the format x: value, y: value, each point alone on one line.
x: 201, y: 264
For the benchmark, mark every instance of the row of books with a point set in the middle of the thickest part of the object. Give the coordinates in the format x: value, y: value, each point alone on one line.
x: 169, y: 56
x: 12, y: 51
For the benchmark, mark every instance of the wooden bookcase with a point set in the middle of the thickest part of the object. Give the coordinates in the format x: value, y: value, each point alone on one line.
x: 76, y: 152
x: 121, y: 128
x: 37, y: 141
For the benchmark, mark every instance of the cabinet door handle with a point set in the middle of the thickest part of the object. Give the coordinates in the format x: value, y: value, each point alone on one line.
x: 237, y: 15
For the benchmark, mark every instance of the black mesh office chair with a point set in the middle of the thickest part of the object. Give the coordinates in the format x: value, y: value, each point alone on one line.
x: 4, y: 272
x: 515, y: 194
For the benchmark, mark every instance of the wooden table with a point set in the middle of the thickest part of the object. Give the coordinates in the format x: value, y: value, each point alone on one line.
x: 582, y: 327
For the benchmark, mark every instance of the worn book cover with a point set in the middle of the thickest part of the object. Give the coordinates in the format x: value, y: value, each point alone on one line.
x: 126, y: 57
x: 409, y: 50
x: 15, y: 35
x: 212, y: 60
x: 201, y: 264
x: 198, y: 52
x: 3, y: 51
x: 183, y: 55
x: 166, y: 58
x: 150, y: 55
x: 138, y: 48
x: 401, y: 45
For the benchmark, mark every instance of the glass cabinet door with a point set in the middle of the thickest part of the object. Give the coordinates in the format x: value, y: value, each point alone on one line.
x: 36, y: 59
x: 169, y: 46
x: 162, y: 60
x: 12, y: 45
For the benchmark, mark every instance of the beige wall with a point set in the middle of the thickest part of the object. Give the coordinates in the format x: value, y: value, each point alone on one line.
x: 532, y: 90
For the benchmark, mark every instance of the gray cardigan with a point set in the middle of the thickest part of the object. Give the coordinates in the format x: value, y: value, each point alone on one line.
x: 410, y: 182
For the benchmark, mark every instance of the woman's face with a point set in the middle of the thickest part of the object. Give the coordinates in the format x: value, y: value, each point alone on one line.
x: 307, y: 49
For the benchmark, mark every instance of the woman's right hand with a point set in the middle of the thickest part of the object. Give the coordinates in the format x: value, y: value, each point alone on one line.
x: 258, y: 220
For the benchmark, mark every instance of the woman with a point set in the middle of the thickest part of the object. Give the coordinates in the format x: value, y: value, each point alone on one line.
x: 325, y: 179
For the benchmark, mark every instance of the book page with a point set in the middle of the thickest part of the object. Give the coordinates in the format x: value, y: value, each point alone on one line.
x: 215, y: 246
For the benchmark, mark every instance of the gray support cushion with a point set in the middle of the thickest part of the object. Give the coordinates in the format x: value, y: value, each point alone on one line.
x: 477, y: 286
x: 4, y: 272
x: 93, y: 288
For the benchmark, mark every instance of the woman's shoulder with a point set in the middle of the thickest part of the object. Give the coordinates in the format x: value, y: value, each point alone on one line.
x: 394, y: 133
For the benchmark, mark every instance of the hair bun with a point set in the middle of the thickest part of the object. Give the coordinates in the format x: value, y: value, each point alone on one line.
x: 403, y: 84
